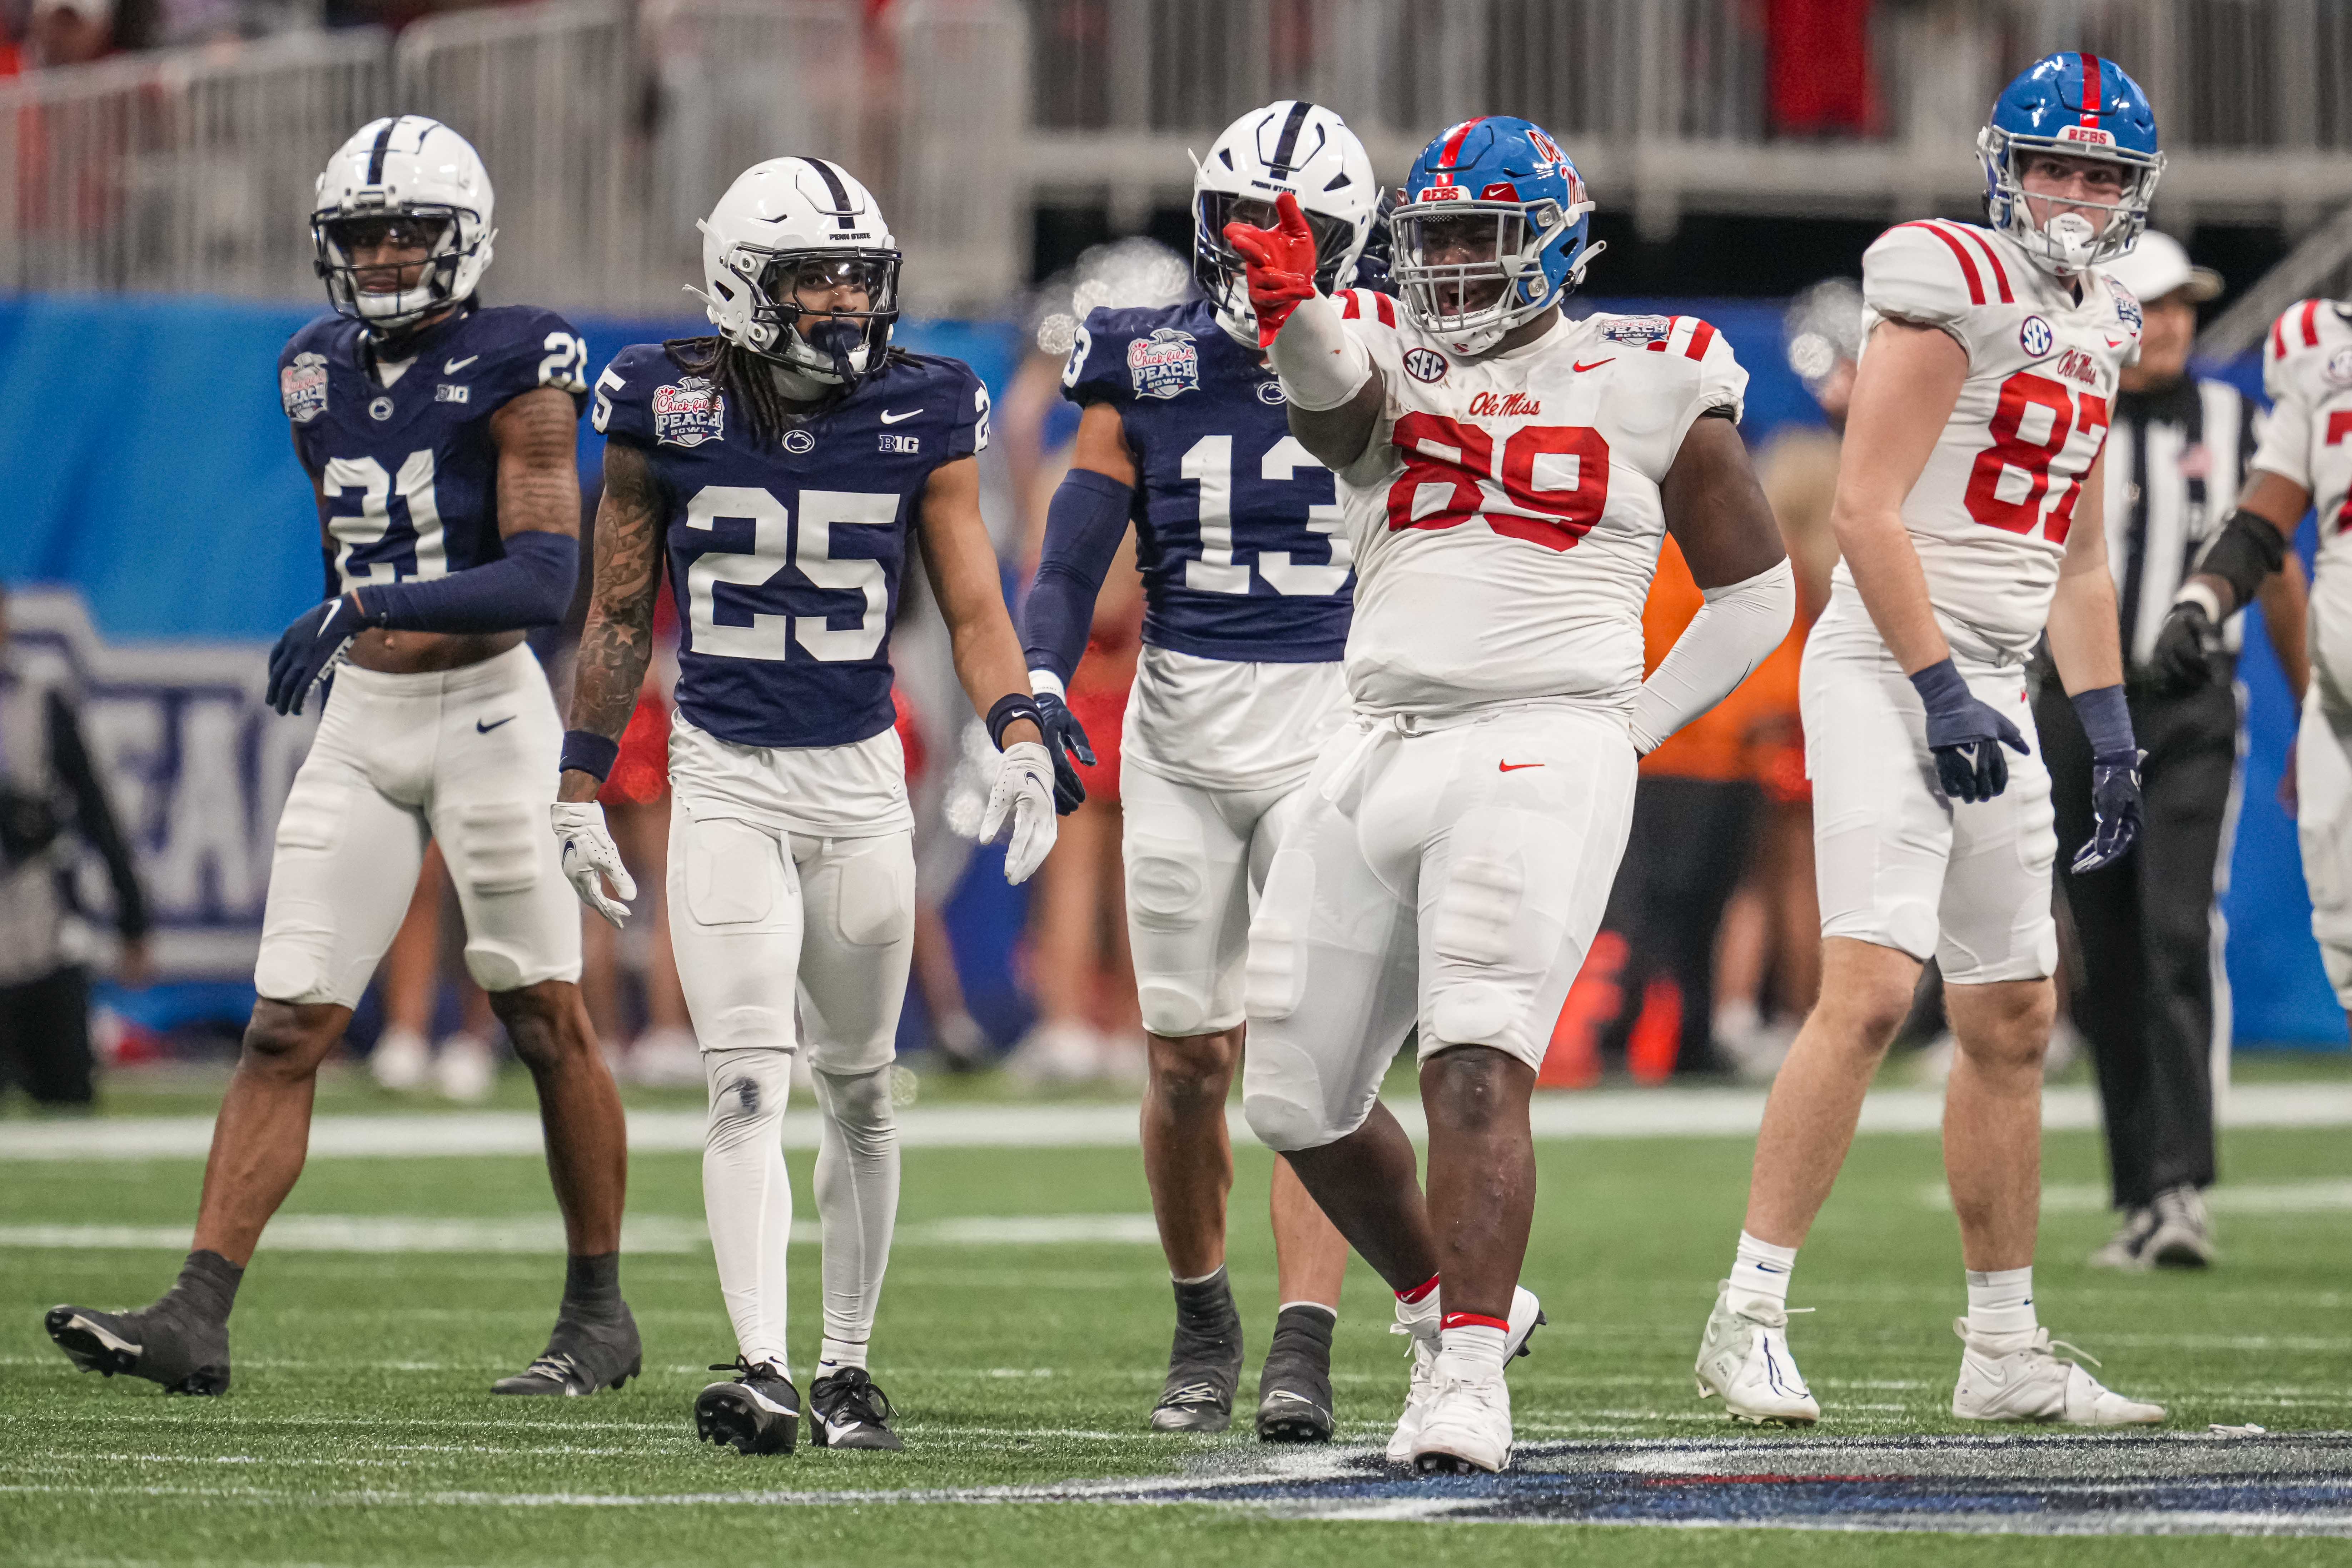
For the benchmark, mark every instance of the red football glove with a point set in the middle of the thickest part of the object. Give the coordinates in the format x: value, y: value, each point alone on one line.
x: 1280, y: 265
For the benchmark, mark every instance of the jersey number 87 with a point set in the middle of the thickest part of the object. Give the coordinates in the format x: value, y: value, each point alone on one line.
x: 2011, y: 448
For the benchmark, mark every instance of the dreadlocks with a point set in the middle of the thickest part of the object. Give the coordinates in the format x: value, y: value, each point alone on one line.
x: 744, y: 376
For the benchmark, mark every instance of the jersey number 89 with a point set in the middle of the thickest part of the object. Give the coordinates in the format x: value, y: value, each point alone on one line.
x: 1453, y: 473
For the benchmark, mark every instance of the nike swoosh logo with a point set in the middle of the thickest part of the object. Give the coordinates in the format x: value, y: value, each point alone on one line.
x: 767, y: 1404
x: 455, y: 366
x: 1596, y: 365
x: 1514, y: 767
x: 894, y: 418
x: 482, y: 728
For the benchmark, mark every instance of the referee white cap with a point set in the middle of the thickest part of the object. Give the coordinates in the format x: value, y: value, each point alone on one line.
x: 2157, y: 266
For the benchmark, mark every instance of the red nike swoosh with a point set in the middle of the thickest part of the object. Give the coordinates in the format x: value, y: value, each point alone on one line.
x: 1514, y: 767
x: 1596, y: 365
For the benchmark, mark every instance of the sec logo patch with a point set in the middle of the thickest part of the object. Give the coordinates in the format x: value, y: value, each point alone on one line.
x: 2035, y: 336
x: 1424, y: 364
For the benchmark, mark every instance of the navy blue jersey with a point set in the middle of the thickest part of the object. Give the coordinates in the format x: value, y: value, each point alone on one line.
x: 1237, y: 528
x: 786, y: 558
x: 408, y: 473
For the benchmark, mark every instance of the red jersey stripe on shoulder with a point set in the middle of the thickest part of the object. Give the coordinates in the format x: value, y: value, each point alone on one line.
x: 2311, y: 323
x: 2278, y: 333
x: 1701, y: 336
x: 1658, y: 345
x: 1348, y: 308
x: 1453, y: 148
x: 1960, y: 253
x: 1999, y: 273
x: 1387, y: 308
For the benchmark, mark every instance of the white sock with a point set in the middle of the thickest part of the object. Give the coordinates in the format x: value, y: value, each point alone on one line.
x: 1760, y: 1269
x: 747, y: 1196
x: 1478, y: 1346
x: 857, y: 1198
x: 835, y: 1354
x: 2001, y: 1301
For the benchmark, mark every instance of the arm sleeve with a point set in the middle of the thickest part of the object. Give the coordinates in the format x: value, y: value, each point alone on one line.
x: 530, y: 585
x: 1733, y: 633
x: 1084, y: 526
x: 94, y: 816
x: 2285, y: 447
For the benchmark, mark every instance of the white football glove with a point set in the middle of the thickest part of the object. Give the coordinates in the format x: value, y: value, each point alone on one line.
x: 588, y: 855
x: 1025, y: 787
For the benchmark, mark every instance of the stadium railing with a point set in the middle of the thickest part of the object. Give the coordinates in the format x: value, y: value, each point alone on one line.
x: 609, y: 124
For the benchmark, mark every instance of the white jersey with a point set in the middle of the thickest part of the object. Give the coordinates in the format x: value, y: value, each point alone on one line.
x: 1506, y: 518
x: 1990, y: 512
x: 2307, y: 374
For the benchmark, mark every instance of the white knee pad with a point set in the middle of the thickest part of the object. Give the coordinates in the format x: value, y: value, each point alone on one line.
x: 858, y: 1105
x: 748, y: 1092
x: 1276, y: 972
x: 1283, y: 1099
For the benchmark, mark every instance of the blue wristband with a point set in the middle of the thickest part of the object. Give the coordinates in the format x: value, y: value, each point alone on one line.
x: 1010, y: 709
x: 584, y: 750
x: 2106, y: 721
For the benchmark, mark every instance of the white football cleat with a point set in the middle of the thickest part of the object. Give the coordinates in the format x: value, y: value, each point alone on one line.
x: 1745, y: 1358
x: 2019, y: 1377
x: 467, y: 1070
x: 402, y: 1060
x: 1526, y: 1317
x: 1467, y: 1424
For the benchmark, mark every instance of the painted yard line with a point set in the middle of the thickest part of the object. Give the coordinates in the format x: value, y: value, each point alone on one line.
x: 1606, y: 1114
x: 641, y: 1234
x: 2271, y: 1198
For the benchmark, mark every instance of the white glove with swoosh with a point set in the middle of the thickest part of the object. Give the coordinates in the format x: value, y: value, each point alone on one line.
x: 590, y: 858
x: 1024, y: 788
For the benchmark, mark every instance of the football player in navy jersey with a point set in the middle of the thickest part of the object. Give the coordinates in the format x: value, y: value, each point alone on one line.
x: 439, y: 438
x: 784, y: 466
x: 1248, y: 587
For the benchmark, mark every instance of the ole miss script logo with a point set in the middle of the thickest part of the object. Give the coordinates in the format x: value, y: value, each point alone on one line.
x: 1505, y: 406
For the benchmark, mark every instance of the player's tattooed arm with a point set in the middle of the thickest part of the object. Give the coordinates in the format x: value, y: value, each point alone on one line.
x: 617, y: 643
x: 538, y: 471
x: 2085, y: 642
x: 961, y: 566
x: 1903, y: 394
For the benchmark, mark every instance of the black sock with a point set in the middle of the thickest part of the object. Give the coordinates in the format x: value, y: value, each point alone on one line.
x: 206, y: 1286
x: 1305, y: 1326
x: 592, y: 1288
x: 1205, y: 1310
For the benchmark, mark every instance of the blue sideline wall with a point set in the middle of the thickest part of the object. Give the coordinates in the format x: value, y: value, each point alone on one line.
x: 146, y: 465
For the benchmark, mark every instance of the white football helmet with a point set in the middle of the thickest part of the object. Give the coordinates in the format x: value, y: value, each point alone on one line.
x: 793, y: 223
x: 1291, y: 145
x: 406, y: 170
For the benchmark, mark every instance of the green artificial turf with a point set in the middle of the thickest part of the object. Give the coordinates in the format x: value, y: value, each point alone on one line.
x: 358, y: 1431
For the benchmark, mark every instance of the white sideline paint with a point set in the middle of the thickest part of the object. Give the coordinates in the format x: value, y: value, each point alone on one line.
x: 1604, y: 1113
x: 2269, y: 1199
x: 639, y: 1234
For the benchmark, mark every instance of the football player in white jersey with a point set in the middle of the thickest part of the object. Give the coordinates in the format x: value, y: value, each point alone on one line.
x: 1505, y: 479
x: 2305, y: 461
x: 1968, y: 513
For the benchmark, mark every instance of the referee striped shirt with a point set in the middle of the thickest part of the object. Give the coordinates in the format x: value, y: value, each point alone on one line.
x: 2175, y: 463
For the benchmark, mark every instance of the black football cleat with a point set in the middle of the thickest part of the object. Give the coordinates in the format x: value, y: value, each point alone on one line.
x: 851, y: 1412
x: 1294, y: 1391
x: 757, y: 1413
x: 174, y: 1348
x: 581, y: 1358
x: 1204, y: 1363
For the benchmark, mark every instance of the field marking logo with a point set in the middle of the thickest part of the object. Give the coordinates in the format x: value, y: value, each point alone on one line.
x: 688, y: 412
x: 1165, y: 364
x: 2036, y: 336
x: 1424, y: 364
x: 303, y: 387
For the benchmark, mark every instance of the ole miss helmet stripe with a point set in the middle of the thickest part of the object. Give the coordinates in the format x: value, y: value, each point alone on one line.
x: 1967, y: 266
x: 2093, y: 89
x: 2311, y: 323
x: 1453, y: 148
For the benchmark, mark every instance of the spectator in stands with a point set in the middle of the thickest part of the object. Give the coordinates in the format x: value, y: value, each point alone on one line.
x: 70, y: 32
x: 52, y: 802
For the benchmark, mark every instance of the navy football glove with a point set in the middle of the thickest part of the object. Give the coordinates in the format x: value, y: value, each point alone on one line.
x: 308, y: 648
x: 2185, y: 647
x: 1966, y: 736
x: 2115, y: 810
x: 1064, y: 736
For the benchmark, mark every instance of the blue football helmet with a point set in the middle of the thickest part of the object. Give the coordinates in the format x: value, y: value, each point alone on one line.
x: 1494, y: 178
x: 2078, y: 105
